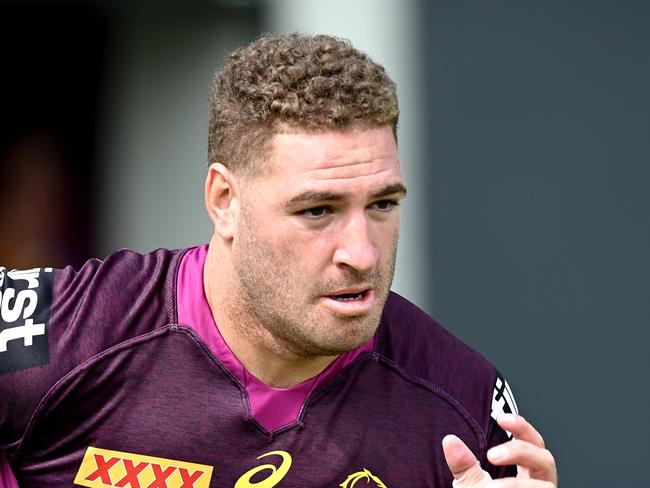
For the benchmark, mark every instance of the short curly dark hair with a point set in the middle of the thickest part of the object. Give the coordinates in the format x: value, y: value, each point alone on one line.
x: 293, y: 82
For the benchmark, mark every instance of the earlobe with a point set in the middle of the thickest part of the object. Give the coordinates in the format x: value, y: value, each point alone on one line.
x: 222, y: 200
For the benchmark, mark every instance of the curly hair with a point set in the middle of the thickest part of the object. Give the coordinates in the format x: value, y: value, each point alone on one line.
x: 294, y: 82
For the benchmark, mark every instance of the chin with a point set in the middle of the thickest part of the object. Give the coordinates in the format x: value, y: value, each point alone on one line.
x: 349, y: 341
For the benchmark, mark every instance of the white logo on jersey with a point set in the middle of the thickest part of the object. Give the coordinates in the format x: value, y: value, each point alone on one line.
x: 503, y: 400
x: 16, y: 305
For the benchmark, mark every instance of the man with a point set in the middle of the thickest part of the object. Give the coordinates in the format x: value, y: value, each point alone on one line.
x: 276, y: 355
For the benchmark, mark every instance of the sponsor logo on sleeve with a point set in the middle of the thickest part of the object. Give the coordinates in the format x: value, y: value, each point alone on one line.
x: 503, y: 401
x: 103, y: 468
x: 25, y: 297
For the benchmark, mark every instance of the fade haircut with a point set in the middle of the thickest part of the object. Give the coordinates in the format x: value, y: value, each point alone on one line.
x: 288, y: 83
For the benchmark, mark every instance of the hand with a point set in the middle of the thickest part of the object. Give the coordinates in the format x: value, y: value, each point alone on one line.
x: 535, y: 464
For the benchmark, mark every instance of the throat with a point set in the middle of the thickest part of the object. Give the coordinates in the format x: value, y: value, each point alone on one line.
x: 294, y: 375
x: 278, y: 369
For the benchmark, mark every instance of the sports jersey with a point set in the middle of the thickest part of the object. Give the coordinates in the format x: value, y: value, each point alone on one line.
x: 116, y: 375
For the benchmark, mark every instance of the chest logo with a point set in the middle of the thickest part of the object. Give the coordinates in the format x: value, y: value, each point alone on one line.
x: 366, y: 475
x: 275, y: 476
x: 104, y: 468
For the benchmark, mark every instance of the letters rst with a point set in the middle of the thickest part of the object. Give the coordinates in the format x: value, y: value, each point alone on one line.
x: 25, y: 297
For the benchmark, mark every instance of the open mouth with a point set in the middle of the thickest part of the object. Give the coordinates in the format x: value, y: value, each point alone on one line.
x: 350, y: 302
x: 348, y: 297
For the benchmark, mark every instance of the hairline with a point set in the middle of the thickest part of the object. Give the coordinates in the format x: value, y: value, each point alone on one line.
x: 255, y: 166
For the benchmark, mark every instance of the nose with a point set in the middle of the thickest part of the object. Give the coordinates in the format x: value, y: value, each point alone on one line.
x: 355, y: 248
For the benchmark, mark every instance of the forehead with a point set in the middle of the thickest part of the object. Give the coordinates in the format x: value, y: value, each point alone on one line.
x: 334, y: 160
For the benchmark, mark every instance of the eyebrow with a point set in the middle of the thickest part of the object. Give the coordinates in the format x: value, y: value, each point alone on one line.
x: 319, y: 196
x: 394, y: 189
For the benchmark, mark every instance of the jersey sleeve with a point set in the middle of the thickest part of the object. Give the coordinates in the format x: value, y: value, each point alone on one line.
x: 25, y: 312
x: 53, y: 321
x: 503, y: 401
x: 25, y: 306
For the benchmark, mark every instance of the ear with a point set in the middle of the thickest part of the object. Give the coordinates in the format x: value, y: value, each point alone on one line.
x: 222, y: 200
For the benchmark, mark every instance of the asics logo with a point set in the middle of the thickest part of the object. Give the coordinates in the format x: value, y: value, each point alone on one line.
x: 275, y: 475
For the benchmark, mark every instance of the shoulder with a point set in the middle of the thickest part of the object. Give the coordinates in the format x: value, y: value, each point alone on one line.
x: 124, y: 280
x: 123, y: 266
x: 431, y: 355
x: 52, y: 321
x: 111, y: 300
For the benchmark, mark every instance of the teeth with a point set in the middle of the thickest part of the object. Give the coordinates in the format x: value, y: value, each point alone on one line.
x: 347, y: 298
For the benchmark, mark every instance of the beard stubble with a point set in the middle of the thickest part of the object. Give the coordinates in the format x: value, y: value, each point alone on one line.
x: 277, y: 297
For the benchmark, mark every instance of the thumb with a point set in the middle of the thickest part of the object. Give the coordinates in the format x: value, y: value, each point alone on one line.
x: 463, y: 464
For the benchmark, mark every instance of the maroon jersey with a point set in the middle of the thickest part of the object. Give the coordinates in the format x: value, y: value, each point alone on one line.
x: 108, y: 378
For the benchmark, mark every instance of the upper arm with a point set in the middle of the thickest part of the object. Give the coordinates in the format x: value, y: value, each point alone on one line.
x: 25, y: 309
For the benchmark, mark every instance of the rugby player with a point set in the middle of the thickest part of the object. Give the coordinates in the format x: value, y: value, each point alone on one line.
x: 275, y: 355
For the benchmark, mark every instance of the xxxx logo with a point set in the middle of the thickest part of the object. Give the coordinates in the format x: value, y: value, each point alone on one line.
x: 102, y: 468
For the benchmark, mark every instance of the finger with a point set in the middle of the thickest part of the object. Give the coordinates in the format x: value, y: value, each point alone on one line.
x: 520, y: 428
x: 538, y: 461
x: 519, y: 483
x: 463, y: 464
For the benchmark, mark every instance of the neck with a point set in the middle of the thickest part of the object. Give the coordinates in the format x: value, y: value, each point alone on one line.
x: 264, y: 355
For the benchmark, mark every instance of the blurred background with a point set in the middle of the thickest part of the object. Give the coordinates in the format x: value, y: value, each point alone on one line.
x: 525, y: 138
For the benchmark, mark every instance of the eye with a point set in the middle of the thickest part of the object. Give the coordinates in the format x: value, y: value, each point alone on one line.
x: 385, y: 205
x: 315, y: 212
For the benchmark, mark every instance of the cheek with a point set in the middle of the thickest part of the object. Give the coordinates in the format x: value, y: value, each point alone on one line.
x: 309, y: 252
x: 305, y: 243
x: 385, y: 234
x: 285, y: 250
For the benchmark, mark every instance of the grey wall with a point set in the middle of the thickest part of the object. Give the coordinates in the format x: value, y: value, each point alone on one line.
x: 539, y: 196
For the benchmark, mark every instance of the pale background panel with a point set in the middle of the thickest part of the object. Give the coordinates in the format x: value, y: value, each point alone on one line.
x: 154, y: 160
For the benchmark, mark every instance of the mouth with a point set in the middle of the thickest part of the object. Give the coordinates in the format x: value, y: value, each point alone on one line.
x: 348, y: 297
x: 350, y: 302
